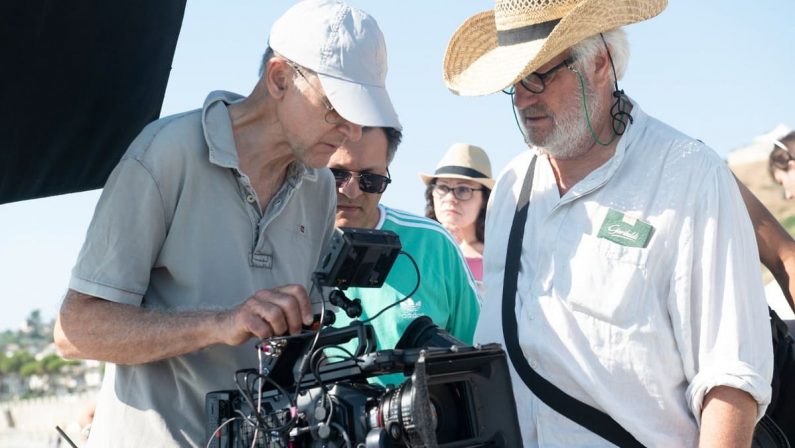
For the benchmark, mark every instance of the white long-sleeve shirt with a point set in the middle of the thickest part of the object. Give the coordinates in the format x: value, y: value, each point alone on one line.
x: 640, y: 327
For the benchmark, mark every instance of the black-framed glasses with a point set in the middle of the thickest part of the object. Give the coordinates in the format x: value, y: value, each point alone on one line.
x: 536, y: 82
x: 368, y: 182
x: 336, y: 118
x: 460, y: 192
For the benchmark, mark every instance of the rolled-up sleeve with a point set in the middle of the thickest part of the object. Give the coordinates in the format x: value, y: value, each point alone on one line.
x: 718, y: 309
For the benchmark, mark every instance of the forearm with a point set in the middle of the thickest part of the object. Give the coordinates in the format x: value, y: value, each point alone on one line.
x: 93, y: 328
x: 776, y: 246
x: 728, y: 418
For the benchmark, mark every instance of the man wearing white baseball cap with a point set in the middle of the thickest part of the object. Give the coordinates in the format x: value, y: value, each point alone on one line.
x: 347, y: 53
x: 209, y: 228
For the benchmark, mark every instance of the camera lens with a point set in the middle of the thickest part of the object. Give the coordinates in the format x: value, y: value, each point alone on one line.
x: 397, y: 412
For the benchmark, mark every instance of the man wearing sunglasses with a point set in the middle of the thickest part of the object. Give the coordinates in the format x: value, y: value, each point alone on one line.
x: 446, y: 290
x: 208, y: 231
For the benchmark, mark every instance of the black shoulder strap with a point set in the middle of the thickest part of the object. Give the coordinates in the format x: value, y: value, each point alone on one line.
x: 577, y: 411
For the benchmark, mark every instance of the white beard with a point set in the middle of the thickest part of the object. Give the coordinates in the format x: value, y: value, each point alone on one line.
x: 570, y: 136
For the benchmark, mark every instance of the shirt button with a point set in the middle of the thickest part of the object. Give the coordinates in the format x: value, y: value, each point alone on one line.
x: 251, y: 199
x: 533, y: 364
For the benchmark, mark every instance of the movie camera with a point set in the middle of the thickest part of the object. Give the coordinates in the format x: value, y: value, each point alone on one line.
x: 311, y: 391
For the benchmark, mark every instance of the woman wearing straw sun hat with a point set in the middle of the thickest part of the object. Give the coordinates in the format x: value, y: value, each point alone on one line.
x: 616, y: 265
x: 456, y: 195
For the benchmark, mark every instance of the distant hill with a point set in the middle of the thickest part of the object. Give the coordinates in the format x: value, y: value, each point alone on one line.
x: 755, y: 176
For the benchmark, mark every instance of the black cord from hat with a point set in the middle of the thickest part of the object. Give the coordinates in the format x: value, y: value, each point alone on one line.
x: 618, y: 111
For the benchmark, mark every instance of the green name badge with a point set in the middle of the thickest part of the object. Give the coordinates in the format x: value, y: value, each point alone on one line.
x: 625, y: 230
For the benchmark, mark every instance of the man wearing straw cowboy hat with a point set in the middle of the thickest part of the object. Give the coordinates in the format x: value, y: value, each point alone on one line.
x: 616, y: 265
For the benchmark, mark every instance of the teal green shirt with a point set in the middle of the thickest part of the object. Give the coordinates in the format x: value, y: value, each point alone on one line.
x: 447, y: 292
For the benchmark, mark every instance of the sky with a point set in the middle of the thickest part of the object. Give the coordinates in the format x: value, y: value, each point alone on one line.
x: 718, y: 70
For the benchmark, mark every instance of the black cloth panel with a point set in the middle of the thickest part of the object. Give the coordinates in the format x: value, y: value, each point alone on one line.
x: 79, y: 80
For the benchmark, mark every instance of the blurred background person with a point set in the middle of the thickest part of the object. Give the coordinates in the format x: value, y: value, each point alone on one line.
x: 781, y: 164
x: 456, y: 196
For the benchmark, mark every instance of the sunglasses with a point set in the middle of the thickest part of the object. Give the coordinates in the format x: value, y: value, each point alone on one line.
x: 368, y: 182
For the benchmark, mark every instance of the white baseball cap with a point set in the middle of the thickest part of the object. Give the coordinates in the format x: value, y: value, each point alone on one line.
x: 346, y: 49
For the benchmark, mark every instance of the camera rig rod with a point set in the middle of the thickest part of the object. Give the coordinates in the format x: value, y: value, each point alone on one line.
x: 353, y: 308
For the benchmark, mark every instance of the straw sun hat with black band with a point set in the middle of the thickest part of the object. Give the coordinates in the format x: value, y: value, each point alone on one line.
x: 463, y: 161
x: 495, y: 49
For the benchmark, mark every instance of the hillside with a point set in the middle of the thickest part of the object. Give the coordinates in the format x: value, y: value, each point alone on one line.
x: 754, y: 175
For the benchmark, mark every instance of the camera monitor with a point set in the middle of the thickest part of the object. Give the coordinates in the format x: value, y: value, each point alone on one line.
x: 358, y: 258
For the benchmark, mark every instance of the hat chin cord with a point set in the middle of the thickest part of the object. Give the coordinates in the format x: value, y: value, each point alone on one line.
x: 618, y: 111
x: 619, y: 115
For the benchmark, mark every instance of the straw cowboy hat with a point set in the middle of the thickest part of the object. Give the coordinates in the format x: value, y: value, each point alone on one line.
x: 463, y: 161
x: 495, y: 49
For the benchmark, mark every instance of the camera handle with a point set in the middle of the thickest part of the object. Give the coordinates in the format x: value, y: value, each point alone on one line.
x: 353, y: 308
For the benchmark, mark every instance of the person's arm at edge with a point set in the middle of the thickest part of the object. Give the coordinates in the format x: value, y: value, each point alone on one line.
x: 776, y: 246
x: 93, y: 328
x: 728, y: 418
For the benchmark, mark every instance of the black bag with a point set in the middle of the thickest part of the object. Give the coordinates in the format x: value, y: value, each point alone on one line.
x: 768, y: 433
x: 782, y: 406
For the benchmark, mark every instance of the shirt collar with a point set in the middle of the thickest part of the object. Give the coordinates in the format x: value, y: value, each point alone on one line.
x: 217, y: 127
x: 381, y: 217
x: 604, y: 173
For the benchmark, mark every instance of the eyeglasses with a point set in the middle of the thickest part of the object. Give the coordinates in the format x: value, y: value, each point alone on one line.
x: 332, y: 116
x: 461, y: 192
x: 368, y: 182
x: 536, y: 82
x: 780, y: 158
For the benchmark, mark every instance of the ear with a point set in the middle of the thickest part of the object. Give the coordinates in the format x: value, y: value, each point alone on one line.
x: 603, y: 70
x: 278, y: 76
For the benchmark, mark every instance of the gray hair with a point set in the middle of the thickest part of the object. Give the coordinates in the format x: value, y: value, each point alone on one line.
x: 270, y: 54
x: 585, y: 52
x: 267, y: 56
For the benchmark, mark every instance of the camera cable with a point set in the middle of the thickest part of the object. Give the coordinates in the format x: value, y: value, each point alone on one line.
x: 314, y: 365
x: 341, y: 430
x: 305, y: 359
x: 249, y: 377
x: 217, y: 431
x: 408, y: 296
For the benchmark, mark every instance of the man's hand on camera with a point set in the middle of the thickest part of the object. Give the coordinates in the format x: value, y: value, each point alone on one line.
x: 269, y: 312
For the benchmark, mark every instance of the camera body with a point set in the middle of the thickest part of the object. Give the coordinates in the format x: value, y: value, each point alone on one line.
x: 309, y: 390
x: 457, y: 396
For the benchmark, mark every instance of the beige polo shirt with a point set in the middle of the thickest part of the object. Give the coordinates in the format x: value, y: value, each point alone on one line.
x: 179, y: 227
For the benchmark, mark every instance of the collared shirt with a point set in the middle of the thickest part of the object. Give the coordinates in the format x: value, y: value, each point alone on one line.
x: 180, y: 227
x: 639, y: 289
